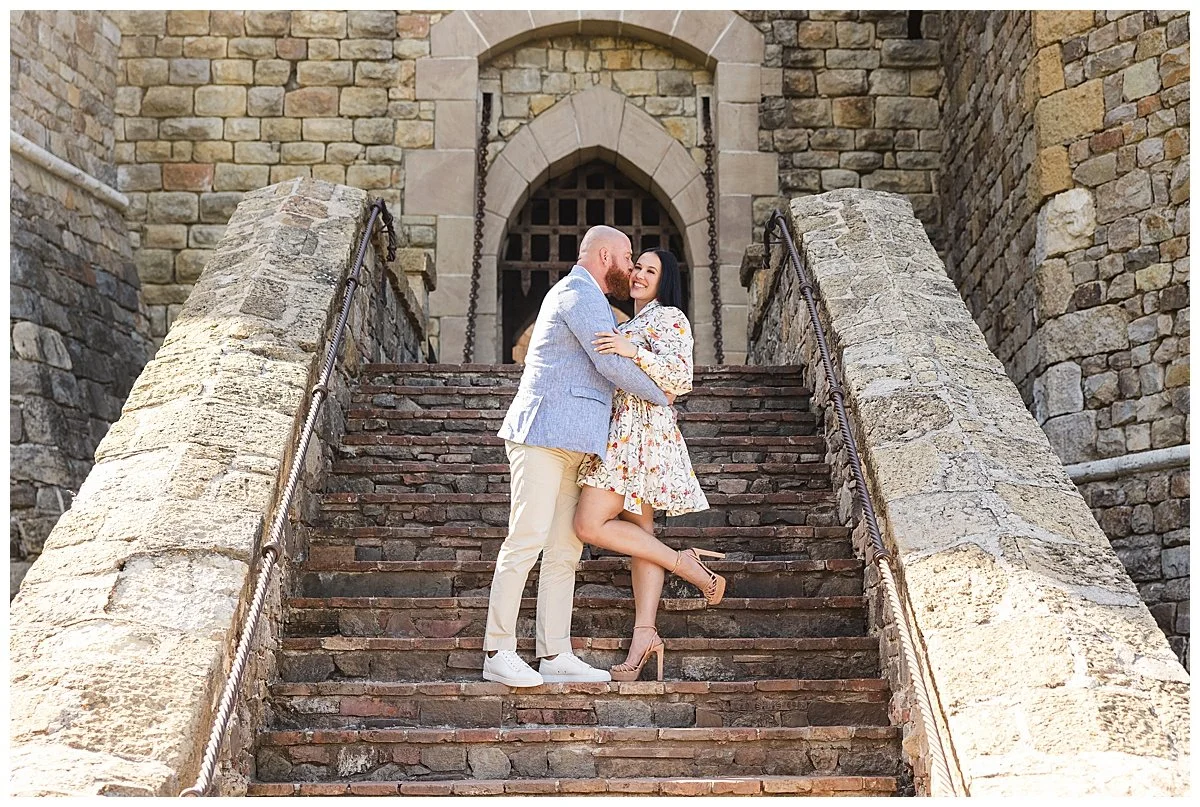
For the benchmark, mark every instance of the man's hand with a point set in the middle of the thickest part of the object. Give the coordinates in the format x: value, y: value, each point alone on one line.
x: 670, y: 397
x: 614, y: 343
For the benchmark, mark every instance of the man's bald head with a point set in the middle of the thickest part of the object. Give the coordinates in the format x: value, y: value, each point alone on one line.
x: 607, y: 255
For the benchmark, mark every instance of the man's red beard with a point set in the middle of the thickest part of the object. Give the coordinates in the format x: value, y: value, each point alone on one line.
x: 617, y: 282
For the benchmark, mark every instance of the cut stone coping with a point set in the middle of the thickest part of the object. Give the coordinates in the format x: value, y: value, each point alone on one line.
x: 121, y: 632
x: 1049, y: 671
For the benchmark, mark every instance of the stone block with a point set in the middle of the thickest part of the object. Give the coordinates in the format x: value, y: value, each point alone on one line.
x: 375, y: 131
x: 271, y: 72
x: 1054, y: 26
x: 414, y: 134
x: 190, y: 71
x: 325, y: 73
x: 455, y: 35
x: 264, y: 101
x: 447, y: 78
x: 456, y: 124
x: 327, y: 129
x: 221, y: 101
x: 233, y: 177
x: 740, y: 83
x: 371, y: 23
x: 906, y: 113
x: 167, y: 102
x: 311, y: 102
x: 167, y: 208
x: 314, y: 24
x: 367, y: 102
x: 1066, y: 222
x: 1083, y: 333
x: 910, y: 53
x: 841, y: 82
x: 1070, y: 114
x: 1129, y: 194
x: 233, y: 71
x: 187, y: 177
x: 1140, y: 80
x: 439, y: 182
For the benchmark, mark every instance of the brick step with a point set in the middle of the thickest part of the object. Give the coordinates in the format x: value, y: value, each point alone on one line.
x: 440, y: 617
x: 671, y: 704
x: 375, y: 476
x: 709, y: 786
x: 470, y: 542
x: 510, y: 374
x: 576, y: 752
x: 470, y: 421
x: 814, y: 508
x: 686, y: 659
x: 472, y: 578
x: 484, y: 449
x: 700, y: 399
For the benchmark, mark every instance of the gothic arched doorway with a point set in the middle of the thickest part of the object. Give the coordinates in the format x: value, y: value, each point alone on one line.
x: 542, y: 243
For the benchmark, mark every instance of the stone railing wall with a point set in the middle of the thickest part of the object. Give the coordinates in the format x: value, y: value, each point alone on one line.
x: 123, y: 631
x: 1039, y: 652
x: 79, y: 334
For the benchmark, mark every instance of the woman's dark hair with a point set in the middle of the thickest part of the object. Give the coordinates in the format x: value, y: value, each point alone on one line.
x: 670, y: 282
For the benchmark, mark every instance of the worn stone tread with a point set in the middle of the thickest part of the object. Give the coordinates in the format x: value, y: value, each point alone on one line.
x: 701, y: 370
x: 596, y: 564
x: 717, y: 786
x: 715, y: 500
x: 698, y: 533
x: 358, y: 467
x: 766, y: 645
x: 767, y: 390
x: 484, y: 688
x: 765, y: 440
x: 612, y: 603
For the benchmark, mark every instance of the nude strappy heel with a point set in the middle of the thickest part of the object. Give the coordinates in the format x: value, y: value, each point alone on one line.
x: 711, y: 585
x: 656, y: 648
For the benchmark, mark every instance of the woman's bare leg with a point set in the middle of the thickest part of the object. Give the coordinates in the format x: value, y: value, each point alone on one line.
x: 597, y: 523
x: 648, y: 580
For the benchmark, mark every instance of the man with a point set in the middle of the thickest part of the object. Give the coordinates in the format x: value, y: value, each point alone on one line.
x: 560, y: 412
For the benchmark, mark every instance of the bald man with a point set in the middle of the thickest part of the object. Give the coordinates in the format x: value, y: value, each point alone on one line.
x: 560, y: 414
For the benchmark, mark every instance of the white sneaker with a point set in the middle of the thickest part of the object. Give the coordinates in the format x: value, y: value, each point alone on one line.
x: 569, y: 667
x: 506, y: 667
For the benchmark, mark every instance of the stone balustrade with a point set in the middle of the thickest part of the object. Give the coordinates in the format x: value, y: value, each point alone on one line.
x: 124, y: 627
x: 1049, y: 674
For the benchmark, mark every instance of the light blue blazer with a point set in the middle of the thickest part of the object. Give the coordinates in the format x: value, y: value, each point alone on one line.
x: 566, y: 390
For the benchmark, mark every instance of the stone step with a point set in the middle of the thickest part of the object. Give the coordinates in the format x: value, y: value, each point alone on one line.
x: 705, y: 786
x: 470, y: 421
x: 388, y: 476
x: 576, y: 752
x: 670, y: 704
x: 484, y: 449
x: 687, y: 659
x: 454, y: 578
x: 441, y: 617
x: 814, y: 508
x: 468, y: 542
x: 510, y: 374
x: 700, y: 399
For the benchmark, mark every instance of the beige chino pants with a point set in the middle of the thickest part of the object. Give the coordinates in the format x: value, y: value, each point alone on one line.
x: 540, y: 522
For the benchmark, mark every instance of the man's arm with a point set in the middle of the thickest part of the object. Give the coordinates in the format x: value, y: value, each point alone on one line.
x: 585, y: 316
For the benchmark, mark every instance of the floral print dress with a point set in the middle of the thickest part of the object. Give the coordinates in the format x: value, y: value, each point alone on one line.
x: 647, y: 460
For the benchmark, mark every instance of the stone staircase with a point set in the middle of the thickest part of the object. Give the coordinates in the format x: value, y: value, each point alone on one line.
x: 776, y: 690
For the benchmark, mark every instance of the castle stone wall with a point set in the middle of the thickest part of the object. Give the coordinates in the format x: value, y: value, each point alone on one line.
x: 79, y: 335
x: 1066, y: 185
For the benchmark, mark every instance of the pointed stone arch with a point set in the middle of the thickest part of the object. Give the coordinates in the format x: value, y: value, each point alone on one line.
x: 439, y: 181
x: 597, y: 123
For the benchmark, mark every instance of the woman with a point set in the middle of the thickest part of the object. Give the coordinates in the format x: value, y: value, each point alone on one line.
x: 646, y: 467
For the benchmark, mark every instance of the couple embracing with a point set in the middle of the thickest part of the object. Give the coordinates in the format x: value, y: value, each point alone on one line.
x: 593, y: 450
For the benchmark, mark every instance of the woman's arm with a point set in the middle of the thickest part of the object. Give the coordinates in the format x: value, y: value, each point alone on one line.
x: 668, y: 362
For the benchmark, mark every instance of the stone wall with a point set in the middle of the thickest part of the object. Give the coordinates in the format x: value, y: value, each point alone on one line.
x: 123, y: 630
x: 78, y: 331
x: 852, y: 103
x: 1066, y: 185
x: 529, y: 80
x: 1032, y: 633
x: 215, y: 104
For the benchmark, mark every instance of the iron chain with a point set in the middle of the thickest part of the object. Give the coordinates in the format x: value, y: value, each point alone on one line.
x: 714, y: 265
x: 481, y: 167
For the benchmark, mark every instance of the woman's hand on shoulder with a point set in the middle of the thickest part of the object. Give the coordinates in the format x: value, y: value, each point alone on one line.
x: 611, y: 342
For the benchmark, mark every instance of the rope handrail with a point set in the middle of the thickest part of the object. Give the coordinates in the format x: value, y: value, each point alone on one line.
x: 271, y: 549
x: 941, y: 780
